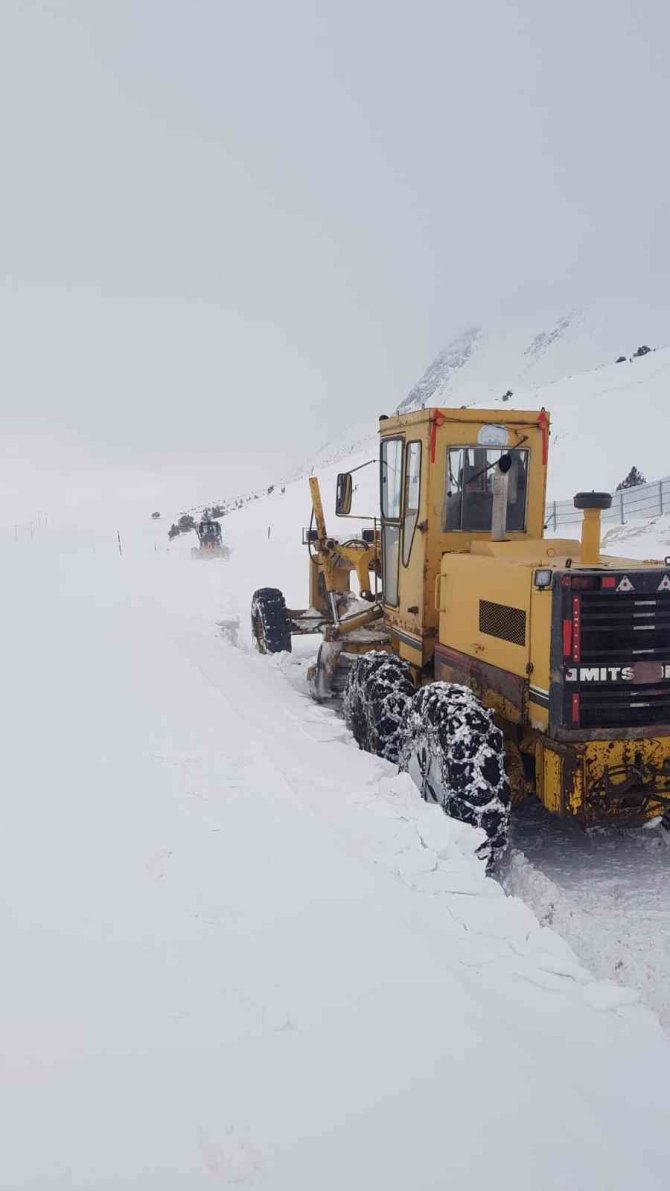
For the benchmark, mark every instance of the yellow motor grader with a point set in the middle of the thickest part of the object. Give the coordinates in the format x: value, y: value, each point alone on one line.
x: 495, y: 661
x: 209, y: 539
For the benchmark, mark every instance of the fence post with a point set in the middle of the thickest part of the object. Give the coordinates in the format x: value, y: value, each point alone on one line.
x: 555, y: 518
x: 623, y: 519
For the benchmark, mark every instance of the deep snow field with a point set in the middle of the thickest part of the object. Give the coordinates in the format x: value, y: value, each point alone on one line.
x: 240, y: 952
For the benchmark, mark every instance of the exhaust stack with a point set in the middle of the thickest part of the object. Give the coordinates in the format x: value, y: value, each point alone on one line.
x: 592, y: 504
x: 500, y: 489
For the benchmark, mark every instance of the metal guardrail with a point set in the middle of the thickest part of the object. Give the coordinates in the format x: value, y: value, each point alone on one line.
x: 630, y: 504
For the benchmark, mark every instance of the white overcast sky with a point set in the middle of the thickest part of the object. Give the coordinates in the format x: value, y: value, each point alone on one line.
x: 229, y: 229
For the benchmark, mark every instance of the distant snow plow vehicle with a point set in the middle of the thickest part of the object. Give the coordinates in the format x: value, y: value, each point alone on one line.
x: 496, y: 662
x: 209, y: 537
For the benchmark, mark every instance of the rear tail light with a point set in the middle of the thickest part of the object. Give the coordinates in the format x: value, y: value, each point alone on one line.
x: 576, y: 629
x: 590, y: 582
x: 574, y: 711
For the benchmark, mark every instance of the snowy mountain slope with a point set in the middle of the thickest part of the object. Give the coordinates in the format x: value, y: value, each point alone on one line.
x: 604, y: 419
x: 237, y: 949
x: 482, y: 363
x: 603, y: 422
x: 354, y: 440
x: 443, y: 372
x: 605, y: 416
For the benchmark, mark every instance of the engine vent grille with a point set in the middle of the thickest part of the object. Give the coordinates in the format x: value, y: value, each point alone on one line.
x: 499, y: 620
x: 623, y: 625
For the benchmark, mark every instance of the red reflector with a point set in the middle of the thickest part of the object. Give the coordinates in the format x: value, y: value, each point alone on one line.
x: 576, y: 629
x: 575, y: 709
x: 567, y: 638
x: 584, y: 582
x: 608, y: 581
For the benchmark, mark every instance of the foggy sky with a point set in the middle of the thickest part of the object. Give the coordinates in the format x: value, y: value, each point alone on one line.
x: 229, y: 229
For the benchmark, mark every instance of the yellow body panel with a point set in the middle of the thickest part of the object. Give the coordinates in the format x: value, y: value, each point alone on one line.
x: 463, y: 582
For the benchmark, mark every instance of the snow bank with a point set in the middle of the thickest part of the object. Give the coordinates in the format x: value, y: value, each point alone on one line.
x: 240, y: 951
x: 643, y: 540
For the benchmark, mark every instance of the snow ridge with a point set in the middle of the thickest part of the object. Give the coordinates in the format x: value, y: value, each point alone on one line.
x: 439, y: 375
x: 483, y: 363
x: 544, y: 339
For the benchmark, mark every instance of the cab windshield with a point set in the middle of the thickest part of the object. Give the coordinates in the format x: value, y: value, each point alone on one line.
x: 468, y: 502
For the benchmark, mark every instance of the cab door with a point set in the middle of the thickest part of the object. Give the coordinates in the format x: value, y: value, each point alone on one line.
x: 402, y: 481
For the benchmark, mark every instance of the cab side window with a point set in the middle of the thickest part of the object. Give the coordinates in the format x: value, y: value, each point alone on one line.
x: 391, y: 494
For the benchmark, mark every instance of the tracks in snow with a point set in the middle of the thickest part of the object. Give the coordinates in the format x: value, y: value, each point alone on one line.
x: 607, y: 892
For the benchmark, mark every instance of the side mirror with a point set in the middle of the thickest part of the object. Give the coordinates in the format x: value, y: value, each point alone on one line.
x: 343, y: 494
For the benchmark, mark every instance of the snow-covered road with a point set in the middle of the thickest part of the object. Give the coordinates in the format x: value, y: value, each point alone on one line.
x: 237, y: 951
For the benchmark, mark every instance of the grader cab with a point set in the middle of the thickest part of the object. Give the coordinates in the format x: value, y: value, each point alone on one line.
x: 495, y: 661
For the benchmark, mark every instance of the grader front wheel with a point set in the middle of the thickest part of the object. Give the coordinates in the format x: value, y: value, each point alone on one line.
x: 270, y: 624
